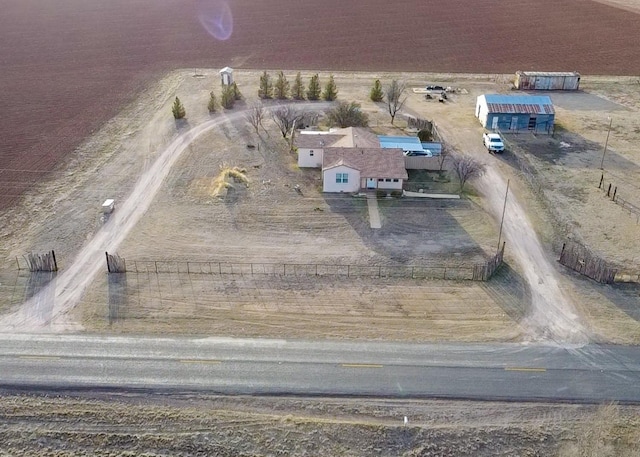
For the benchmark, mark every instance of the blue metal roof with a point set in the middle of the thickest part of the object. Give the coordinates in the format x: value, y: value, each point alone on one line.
x: 516, y: 104
x: 406, y: 143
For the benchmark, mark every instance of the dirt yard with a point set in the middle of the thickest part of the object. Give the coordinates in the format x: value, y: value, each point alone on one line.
x: 267, y: 221
x: 189, y: 425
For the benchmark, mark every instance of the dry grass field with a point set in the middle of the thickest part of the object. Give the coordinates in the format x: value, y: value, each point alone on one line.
x: 267, y: 222
x: 109, y: 425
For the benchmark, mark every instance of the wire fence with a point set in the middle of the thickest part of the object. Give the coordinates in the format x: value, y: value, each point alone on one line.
x: 612, y: 192
x: 451, y: 272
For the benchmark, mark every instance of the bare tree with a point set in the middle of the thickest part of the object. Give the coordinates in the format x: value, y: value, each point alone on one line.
x: 347, y: 115
x: 467, y: 168
x: 444, y: 154
x: 254, y: 116
x: 395, y: 97
x: 286, y: 117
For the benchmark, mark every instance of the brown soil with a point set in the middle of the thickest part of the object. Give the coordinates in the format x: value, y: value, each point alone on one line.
x: 69, y: 66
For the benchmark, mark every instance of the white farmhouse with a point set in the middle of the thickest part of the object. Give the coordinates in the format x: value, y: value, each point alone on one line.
x: 354, y: 169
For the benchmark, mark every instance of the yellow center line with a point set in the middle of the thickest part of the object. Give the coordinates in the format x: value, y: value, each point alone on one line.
x: 39, y: 357
x: 361, y: 365
x: 211, y: 362
x: 539, y: 370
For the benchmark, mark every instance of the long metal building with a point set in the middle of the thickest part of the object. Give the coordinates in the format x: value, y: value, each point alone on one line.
x: 514, y: 113
x: 540, y: 80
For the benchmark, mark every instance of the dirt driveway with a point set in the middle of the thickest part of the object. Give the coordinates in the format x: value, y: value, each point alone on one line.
x: 270, y: 221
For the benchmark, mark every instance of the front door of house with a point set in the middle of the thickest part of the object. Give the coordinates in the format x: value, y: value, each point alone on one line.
x: 371, y: 183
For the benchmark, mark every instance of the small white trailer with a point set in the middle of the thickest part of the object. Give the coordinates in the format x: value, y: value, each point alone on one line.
x: 108, y: 206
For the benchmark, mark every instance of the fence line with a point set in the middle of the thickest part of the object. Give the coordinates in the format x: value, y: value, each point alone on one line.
x: 485, y: 271
x: 612, y: 192
x: 477, y: 272
x: 579, y: 258
x: 39, y: 262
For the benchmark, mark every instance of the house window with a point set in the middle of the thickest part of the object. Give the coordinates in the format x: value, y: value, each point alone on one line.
x: 310, y: 153
x: 387, y: 180
x: 342, y: 178
x: 380, y: 180
x: 395, y: 179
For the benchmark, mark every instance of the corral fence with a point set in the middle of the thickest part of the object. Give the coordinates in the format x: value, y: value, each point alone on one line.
x: 579, y: 258
x: 38, y: 262
x: 612, y: 192
x: 115, y: 263
x: 480, y: 272
x: 485, y: 271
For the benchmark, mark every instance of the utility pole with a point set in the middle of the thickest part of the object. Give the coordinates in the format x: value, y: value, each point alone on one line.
x: 606, y: 142
x: 503, y: 211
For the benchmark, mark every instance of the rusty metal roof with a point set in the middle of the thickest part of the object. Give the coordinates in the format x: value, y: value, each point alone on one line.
x: 519, y: 104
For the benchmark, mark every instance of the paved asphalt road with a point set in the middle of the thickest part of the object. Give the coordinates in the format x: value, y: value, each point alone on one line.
x: 278, y: 367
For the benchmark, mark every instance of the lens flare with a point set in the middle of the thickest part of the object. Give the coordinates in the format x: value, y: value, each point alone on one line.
x: 216, y: 18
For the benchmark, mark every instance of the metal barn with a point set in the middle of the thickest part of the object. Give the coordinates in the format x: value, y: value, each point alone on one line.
x: 514, y: 113
x: 553, y: 80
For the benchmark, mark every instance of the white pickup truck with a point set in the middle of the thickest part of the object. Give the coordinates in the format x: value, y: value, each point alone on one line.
x: 493, y: 142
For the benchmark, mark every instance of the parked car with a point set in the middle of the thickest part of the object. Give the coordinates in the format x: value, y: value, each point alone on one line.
x: 435, y: 90
x: 493, y: 142
x: 425, y: 153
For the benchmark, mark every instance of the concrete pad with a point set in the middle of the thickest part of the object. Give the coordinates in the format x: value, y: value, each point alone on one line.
x: 374, y: 213
x: 423, y: 195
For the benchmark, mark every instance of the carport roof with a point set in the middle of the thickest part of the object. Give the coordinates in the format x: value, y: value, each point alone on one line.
x: 406, y: 143
x: 519, y: 104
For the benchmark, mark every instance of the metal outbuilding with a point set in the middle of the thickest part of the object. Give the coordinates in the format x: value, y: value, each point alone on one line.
x: 516, y: 112
x: 226, y: 75
x: 552, y: 80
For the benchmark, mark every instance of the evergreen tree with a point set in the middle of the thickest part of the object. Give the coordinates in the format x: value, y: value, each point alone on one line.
x: 178, y: 109
x: 313, y: 92
x: 281, y: 87
x: 376, y: 94
x: 228, y: 97
x: 297, y: 91
x: 213, y: 102
x: 236, y: 92
x: 330, y: 90
x: 266, y: 87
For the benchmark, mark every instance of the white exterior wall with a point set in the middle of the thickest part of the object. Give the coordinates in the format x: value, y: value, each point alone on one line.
x: 306, y: 160
x: 329, y: 183
x: 482, y: 110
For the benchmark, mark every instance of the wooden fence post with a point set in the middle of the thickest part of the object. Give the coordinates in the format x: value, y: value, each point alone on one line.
x: 55, y: 264
x: 609, y: 190
x: 614, y: 193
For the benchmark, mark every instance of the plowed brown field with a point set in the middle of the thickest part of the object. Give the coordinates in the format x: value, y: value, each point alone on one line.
x: 68, y: 65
